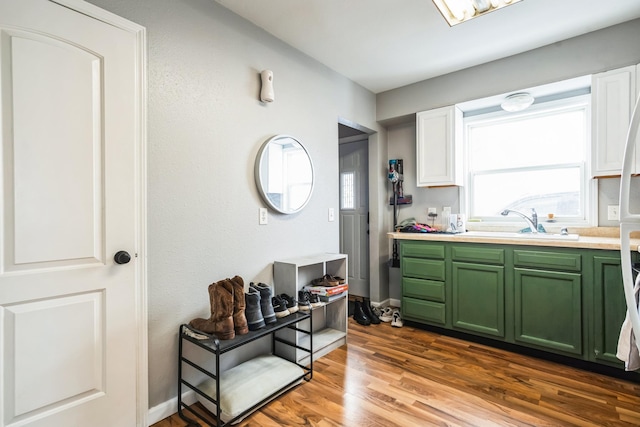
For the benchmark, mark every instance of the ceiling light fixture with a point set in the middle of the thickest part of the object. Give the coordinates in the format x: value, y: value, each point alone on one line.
x: 457, y: 11
x: 517, y: 102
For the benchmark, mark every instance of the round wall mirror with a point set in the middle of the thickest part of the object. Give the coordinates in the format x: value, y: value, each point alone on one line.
x: 284, y: 174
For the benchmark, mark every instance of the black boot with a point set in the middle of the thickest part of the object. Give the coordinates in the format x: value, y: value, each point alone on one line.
x: 366, y: 308
x: 359, y: 316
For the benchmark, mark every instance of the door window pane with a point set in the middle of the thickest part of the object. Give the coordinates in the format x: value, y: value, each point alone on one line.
x: 347, y: 190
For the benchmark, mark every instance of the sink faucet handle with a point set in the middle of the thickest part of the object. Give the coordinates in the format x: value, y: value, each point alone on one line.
x: 534, y: 220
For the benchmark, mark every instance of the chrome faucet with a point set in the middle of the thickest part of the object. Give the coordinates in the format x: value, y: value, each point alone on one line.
x: 533, y: 221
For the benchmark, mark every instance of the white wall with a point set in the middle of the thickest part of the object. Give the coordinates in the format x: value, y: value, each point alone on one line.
x: 594, y: 52
x: 205, y: 126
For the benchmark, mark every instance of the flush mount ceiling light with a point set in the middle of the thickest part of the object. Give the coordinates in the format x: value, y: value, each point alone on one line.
x: 457, y: 11
x: 517, y: 102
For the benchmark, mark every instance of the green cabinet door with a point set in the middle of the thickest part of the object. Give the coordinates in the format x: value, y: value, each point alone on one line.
x: 548, y: 310
x: 609, y: 308
x: 478, y: 298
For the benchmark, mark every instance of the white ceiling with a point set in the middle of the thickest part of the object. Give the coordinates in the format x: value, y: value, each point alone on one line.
x: 385, y: 44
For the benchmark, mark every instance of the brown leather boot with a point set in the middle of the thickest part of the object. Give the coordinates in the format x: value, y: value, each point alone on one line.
x: 239, y: 305
x: 220, y: 323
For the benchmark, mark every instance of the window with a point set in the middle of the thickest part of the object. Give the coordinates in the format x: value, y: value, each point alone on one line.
x: 532, y: 159
x: 347, y: 193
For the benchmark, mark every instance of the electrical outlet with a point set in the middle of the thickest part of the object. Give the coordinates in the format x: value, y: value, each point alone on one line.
x: 446, y: 211
x: 613, y: 213
x: 332, y: 215
x: 432, y: 211
x: 263, y: 216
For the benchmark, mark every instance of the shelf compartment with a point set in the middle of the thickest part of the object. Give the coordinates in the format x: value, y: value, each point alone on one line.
x: 329, y: 321
x: 324, y: 341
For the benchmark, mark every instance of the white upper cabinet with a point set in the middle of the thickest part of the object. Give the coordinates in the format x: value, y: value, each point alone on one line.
x: 613, y: 96
x: 439, y: 147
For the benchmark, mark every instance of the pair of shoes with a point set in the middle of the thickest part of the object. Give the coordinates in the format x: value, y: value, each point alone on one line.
x: 259, y: 307
x: 397, y: 320
x: 363, y: 314
x: 228, y: 306
x: 280, y: 306
x: 386, y: 314
x: 359, y: 314
x: 308, y: 300
x: 366, y: 308
x: 326, y: 280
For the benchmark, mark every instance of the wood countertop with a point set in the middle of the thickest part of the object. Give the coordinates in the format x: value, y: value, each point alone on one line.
x: 604, y: 238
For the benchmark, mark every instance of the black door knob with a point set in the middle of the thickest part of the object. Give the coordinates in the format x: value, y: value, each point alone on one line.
x: 122, y: 257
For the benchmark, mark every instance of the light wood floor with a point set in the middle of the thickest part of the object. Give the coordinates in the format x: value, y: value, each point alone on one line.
x: 407, y: 377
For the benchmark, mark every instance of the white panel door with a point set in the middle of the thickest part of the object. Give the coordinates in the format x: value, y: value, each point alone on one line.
x: 354, y: 214
x: 68, y: 321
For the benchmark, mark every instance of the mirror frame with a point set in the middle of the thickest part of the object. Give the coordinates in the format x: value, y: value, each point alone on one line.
x: 258, y: 174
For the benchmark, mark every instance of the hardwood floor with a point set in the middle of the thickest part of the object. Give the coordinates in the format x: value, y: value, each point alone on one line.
x: 406, y: 377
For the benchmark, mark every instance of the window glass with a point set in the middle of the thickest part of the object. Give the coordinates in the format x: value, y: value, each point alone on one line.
x: 347, y: 190
x: 533, y: 159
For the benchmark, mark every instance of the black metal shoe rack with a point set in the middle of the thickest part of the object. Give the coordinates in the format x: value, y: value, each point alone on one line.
x: 217, y: 348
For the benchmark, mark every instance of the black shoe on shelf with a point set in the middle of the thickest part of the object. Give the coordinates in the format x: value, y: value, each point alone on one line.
x: 303, y: 301
x: 314, y: 300
x: 292, y: 303
x: 366, y: 308
x: 280, y: 307
x: 265, y: 301
x: 359, y: 315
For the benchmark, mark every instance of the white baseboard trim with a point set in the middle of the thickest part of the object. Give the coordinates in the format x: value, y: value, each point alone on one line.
x: 380, y: 304
x: 389, y: 302
x: 170, y: 407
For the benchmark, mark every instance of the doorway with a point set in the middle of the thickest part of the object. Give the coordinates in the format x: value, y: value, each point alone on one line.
x: 354, y: 206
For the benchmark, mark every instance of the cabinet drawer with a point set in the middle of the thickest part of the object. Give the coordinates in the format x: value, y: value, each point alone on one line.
x: 424, y: 289
x: 415, y: 309
x: 423, y: 268
x: 477, y: 254
x: 545, y: 260
x: 421, y: 250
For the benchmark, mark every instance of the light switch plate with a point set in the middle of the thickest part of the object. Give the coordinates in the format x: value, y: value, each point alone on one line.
x: 263, y: 216
x: 613, y: 213
x: 332, y: 215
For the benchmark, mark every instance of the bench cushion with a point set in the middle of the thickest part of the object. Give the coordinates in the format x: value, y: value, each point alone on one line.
x: 247, y: 384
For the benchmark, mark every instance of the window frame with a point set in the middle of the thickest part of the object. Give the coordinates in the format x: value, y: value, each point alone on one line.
x: 588, y: 186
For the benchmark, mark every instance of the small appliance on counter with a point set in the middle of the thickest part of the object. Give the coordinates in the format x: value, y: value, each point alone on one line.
x: 457, y: 223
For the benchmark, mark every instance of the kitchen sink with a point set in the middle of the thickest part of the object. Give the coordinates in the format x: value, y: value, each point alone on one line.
x: 523, y: 236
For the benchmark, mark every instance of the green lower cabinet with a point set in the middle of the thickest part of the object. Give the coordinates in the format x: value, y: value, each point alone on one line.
x: 548, y: 310
x: 609, y: 308
x: 561, y: 300
x: 478, y: 298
